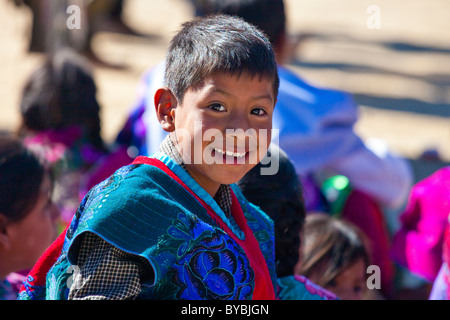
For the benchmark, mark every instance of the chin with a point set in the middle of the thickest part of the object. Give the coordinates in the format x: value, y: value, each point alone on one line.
x: 230, y: 178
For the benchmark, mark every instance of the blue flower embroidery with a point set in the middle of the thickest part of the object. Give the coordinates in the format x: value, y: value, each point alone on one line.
x: 217, y: 268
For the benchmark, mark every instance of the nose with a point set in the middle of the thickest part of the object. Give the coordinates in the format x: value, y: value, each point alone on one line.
x: 240, y: 121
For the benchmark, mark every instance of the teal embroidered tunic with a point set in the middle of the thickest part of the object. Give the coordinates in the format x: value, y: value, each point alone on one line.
x: 160, y: 213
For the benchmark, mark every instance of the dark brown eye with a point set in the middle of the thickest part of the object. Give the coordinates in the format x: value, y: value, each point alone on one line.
x: 217, y: 107
x: 258, y: 111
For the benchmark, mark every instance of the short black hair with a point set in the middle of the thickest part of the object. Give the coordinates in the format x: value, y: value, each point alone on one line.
x: 214, y: 44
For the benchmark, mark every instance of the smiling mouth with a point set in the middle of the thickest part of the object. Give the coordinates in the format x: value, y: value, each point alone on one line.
x: 230, y: 154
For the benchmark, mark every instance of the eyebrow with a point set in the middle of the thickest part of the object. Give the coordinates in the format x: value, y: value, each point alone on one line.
x: 217, y: 90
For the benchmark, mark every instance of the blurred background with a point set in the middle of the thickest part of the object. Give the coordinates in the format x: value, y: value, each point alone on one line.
x: 393, y: 56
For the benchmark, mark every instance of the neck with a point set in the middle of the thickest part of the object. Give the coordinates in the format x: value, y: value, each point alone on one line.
x: 210, y: 186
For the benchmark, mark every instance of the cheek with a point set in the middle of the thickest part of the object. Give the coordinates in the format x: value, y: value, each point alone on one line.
x: 36, y: 234
x: 264, y: 139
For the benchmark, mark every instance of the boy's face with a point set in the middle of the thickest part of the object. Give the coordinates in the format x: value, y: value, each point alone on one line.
x: 223, y: 127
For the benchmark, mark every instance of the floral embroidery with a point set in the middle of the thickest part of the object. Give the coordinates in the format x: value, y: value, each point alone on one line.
x: 208, y: 264
x: 217, y: 268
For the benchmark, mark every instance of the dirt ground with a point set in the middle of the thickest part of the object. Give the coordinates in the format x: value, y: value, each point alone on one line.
x: 394, y: 58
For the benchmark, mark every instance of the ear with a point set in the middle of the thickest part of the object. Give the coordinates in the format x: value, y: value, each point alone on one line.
x: 4, y: 238
x: 165, y: 105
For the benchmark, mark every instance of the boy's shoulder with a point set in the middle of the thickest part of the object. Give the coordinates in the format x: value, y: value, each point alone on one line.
x: 138, y: 202
x: 134, y: 182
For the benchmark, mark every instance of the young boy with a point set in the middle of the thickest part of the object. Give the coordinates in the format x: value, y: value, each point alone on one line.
x: 174, y: 226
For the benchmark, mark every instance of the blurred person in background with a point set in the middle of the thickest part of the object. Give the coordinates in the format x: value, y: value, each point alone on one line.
x: 60, y: 119
x: 28, y: 216
x: 335, y: 255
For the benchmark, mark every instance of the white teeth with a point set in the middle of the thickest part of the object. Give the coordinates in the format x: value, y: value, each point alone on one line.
x: 229, y: 153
